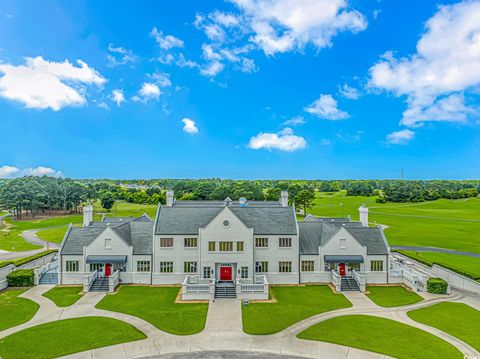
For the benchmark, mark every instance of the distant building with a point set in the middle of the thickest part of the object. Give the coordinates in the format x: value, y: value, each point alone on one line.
x: 224, y: 249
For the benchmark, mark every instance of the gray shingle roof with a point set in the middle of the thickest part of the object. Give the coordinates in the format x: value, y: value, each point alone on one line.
x: 136, y: 232
x: 264, y: 219
x: 314, y: 234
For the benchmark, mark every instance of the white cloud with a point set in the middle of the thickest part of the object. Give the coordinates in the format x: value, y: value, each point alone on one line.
x: 183, y: 62
x: 349, y: 92
x: 149, y: 91
x: 162, y: 79
x: 119, y: 56
x: 446, y: 65
x: 43, y: 84
x: 189, y: 126
x: 14, y: 172
x: 400, y: 137
x: 295, y: 121
x: 212, y: 69
x: 284, y: 140
x: 326, y: 107
x: 285, y: 25
x: 165, y: 42
x: 118, y: 97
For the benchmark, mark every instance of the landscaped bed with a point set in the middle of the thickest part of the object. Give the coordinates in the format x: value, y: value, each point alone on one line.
x: 14, y: 310
x: 67, y: 336
x: 382, y: 336
x: 293, y: 304
x: 157, y: 306
x: 457, y: 319
x: 392, y: 296
x: 64, y: 296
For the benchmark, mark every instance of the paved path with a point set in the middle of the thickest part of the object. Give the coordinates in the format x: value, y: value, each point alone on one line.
x: 223, y: 330
x: 434, y: 249
x: 31, y: 237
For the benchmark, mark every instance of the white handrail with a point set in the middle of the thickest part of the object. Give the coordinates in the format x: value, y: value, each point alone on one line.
x: 337, y: 282
x: 360, y: 279
x: 88, y: 280
x: 113, y: 281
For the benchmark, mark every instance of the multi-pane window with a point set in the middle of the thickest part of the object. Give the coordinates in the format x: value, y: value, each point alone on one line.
x: 244, y: 272
x: 206, y: 272
x: 108, y: 243
x: 261, y: 242
x: 239, y: 246
x: 190, y: 267
x: 285, y: 242
x: 96, y: 266
x: 331, y: 266
x: 261, y: 267
x: 211, y: 246
x: 71, y: 266
x: 308, y: 266
x: 284, y: 267
x: 166, y: 267
x: 376, y: 266
x: 354, y: 266
x: 225, y: 246
x: 121, y: 267
x: 166, y: 242
x: 143, y: 266
x: 190, y: 242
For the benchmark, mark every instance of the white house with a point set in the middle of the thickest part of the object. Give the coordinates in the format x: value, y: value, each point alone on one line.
x: 224, y: 249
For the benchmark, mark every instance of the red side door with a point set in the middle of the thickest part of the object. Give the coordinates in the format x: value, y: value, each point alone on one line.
x: 108, y: 269
x: 342, y: 269
x: 225, y: 273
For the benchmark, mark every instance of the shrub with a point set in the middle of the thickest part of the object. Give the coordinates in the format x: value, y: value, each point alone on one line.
x: 20, y: 278
x: 20, y: 261
x: 437, y: 286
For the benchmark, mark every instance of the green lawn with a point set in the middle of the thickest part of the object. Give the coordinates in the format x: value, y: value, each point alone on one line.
x: 13, y: 241
x: 457, y: 319
x: 382, y: 336
x: 64, y: 296
x: 15, y: 310
x: 157, y: 306
x: 469, y: 266
x: 438, y: 223
x: 294, y: 303
x: 392, y: 296
x: 68, y: 336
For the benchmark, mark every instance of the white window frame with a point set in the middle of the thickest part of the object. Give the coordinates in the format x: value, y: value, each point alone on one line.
x: 343, y: 243
x: 72, y: 266
x: 108, y: 243
x: 308, y: 266
x: 190, y: 242
x: 261, y: 242
x: 166, y: 267
x: 242, y: 244
x: 376, y: 265
x: 208, y: 272
x: 285, y: 242
x: 244, y: 272
x: 261, y: 267
x: 164, y: 241
x: 190, y: 267
x: 225, y: 246
x: 285, y: 267
x: 143, y: 266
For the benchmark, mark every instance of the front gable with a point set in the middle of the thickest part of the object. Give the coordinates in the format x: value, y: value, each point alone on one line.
x: 117, y: 246
x: 343, y: 243
x: 226, y: 225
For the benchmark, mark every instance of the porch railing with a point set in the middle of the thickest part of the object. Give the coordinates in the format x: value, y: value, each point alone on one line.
x: 113, y: 281
x: 260, y: 284
x: 414, y: 279
x: 192, y: 284
x: 360, y: 279
x: 39, y: 272
x: 88, y: 280
x: 337, y: 281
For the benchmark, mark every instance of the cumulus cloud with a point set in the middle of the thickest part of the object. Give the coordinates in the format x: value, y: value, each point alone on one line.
x: 295, y: 121
x: 444, y: 67
x: 162, y: 79
x: 349, y: 92
x: 400, y: 137
x: 148, y: 91
x: 43, y: 84
x: 119, y: 56
x: 284, y: 140
x: 326, y: 107
x: 212, y: 69
x: 165, y: 42
x: 14, y: 172
x: 118, y: 97
x: 189, y: 126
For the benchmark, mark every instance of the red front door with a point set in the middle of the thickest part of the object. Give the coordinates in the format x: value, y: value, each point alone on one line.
x: 341, y: 268
x: 108, y: 269
x: 225, y: 273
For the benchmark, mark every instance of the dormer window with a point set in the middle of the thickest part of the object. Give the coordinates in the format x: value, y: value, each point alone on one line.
x: 108, y: 243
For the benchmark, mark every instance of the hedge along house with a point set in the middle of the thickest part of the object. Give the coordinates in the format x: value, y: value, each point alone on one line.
x: 224, y: 249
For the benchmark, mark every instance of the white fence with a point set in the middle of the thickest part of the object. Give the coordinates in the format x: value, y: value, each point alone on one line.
x: 113, y: 281
x: 337, y: 281
x: 3, y: 275
x: 38, y: 272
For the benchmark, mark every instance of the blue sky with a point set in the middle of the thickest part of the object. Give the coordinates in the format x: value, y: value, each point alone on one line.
x: 240, y: 89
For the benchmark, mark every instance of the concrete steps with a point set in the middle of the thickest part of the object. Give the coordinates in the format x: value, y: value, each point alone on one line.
x: 225, y: 290
x: 349, y: 284
x: 49, y: 278
x: 100, y: 285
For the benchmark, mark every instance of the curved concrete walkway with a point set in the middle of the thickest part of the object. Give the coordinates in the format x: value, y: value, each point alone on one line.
x: 31, y: 237
x: 223, y: 330
x: 435, y: 249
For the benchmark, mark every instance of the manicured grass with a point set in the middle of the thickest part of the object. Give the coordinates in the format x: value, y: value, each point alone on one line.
x: 14, y: 310
x: 68, y: 336
x: 19, y: 261
x: 64, y: 296
x: 157, y: 306
x: 294, y: 303
x: 457, y: 319
x: 382, y: 336
x: 392, y: 296
x: 124, y: 209
x: 54, y: 235
x: 468, y: 266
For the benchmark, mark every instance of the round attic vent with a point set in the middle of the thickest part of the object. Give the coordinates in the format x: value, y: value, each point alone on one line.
x: 226, y: 223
